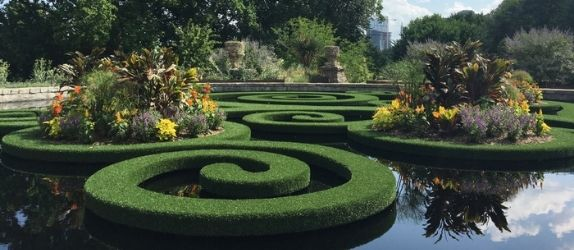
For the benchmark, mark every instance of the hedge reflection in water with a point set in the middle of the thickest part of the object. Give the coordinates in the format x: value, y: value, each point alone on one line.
x: 452, y: 203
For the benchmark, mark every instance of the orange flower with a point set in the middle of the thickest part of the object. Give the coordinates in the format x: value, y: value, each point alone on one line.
x: 56, y: 108
x: 77, y: 89
x: 190, y: 102
x: 206, y: 88
x: 194, y: 94
x: 59, y: 96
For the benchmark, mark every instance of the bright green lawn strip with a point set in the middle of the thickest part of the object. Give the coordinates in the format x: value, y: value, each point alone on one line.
x: 561, y: 147
x: 113, y: 194
x: 28, y: 144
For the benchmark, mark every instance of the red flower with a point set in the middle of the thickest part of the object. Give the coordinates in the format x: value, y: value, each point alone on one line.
x: 206, y: 88
x: 59, y: 97
x: 77, y: 89
x: 56, y: 108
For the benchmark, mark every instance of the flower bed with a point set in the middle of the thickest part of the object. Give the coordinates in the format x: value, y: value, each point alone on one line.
x: 114, y: 193
x: 28, y: 144
x: 560, y: 147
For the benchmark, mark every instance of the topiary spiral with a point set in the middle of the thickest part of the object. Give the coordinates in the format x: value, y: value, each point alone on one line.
x: 240, y: 174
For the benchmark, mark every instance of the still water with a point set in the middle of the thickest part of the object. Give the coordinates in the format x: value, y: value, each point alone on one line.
x: 436, y: 209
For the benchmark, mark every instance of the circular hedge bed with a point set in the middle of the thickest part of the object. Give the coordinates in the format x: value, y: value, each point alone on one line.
x: 297, y: 98
x: 561, y: 147
x: 547, y: 108
x: 114, y: 193
x: 28, y: 144
x: 382, y: 95
x: 297, y: 122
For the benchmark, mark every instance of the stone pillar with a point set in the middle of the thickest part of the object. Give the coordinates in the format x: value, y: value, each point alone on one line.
x: 332, y: 72
x: 235, y: 53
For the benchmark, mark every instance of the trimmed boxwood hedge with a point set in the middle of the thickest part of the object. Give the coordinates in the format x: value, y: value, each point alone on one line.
x: 382, y: 95
x: 561, y: 147
x: 114, y: 194
x: 28, y: 144
x: 297, y: 98
x: 297, y: 122
x: 273, y: 174
x: 13, y: 120
x: 547, y: 108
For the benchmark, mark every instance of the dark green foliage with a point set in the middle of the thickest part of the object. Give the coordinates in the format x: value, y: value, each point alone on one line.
x: 302, y: 41
x: 561, y: 147
x: 114, y: 194
x: 546, y: 54
x: 194, y: 45
x: 461, y: 27
x: 355, y: 61
x: 28, y: 144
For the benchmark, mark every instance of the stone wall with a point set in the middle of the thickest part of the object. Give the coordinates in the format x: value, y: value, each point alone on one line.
x: 34, y: 97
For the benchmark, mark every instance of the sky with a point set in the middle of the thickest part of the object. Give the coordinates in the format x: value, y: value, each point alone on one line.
x: 403, y: 11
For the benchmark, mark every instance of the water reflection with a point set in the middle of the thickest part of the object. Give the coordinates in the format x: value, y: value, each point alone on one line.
x: 454, y: 204
x: 42, y: 212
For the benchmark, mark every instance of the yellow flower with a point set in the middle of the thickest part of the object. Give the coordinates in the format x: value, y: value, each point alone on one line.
x: 420, y: 109
x: 438, y: 114
x: 209, y: 106
x: 53, y: 127
x: 119, y: 118
x: 383, y: 119
x: 524, y: 107
x: 396, y: 104
x: 546, y: 129
x: 166, y: 130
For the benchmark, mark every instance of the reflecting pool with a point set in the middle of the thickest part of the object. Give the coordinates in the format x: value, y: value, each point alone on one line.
x: 436, y: 209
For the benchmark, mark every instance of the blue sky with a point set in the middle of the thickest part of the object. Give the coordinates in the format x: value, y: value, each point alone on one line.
x: 403, y: 11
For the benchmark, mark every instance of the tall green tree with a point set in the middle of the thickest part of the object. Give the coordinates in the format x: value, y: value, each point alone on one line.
x: 512, y: 16
x: 348, y: 17
x: 25, y: 35
x: 82, y: 24
x: 460, y: 27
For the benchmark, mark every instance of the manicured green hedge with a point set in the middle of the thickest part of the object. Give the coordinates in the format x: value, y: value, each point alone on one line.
x: 379, y: 103
x: 274, y: 175
x: 297, y: 98
x: 114, y: 194
x: 382, y: 95
x: 561, y: 147
x: 28, y: 144
x: 13, y: 120
x: 547, y: 108
x: 297, y: 122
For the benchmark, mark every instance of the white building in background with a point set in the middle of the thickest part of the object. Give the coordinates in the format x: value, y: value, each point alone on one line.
x: 379, y: 34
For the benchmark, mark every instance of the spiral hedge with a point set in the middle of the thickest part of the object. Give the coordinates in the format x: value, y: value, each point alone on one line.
x: 13, y: 120
x: 382, y: 95
x: 114, y: 193
x: 561, y: 147
x: 29, y: 144
x: 297, y: 122
x: 297, y: 98
x: 547, y: 108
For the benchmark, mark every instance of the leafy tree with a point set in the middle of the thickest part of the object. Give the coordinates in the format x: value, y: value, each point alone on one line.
x: 302, y: 41
x: 194, y: 45
x: 354, y: 60
x: 349, y: 18
x: 547, y: 54
x: 512, y: 16
x: 460, y: 27
x: 82, y: 25
x: 25, y: 34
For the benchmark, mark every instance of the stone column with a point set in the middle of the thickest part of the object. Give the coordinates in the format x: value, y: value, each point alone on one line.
x: 332, y: 72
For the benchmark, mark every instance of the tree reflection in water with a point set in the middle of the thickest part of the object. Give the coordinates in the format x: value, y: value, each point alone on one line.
x: 42, y: 212
x: 454, y: 203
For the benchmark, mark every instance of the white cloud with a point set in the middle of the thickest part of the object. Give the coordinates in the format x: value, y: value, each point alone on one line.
x: 491, y: 6
x: 517, y: 231
x: 562, y: 228
x: 456, y: 7
x: 401, y: 12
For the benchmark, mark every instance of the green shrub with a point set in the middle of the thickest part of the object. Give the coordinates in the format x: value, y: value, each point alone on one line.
x: 406, y: 73
x: 354, y: 61
x: 44, y: 72
x: 194, y: 45
x: 302, y: 41
x: 260, y: 63
x: 521, y: 75
x: 546, y: 54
